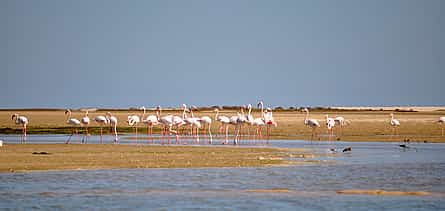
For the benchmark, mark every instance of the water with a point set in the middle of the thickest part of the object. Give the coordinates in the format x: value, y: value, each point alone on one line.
x: 310, y: 187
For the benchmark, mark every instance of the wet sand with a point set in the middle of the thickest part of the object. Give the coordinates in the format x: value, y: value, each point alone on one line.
x: 41, y: 157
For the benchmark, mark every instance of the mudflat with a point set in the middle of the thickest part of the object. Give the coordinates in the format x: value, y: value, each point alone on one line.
x: 35, y: 157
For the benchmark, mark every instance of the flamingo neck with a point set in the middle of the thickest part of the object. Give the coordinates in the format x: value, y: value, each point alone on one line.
x: 69, y: 116
x: 216, y: 115
x: 184, y: 115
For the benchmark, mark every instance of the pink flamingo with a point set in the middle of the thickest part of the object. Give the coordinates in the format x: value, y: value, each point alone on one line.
x: 313, y: 123
x: 151, y: 121
x: 23, y: 121
x: 269, y: 120
x: 330, y: 123
x: 394, y: 124
x: 74, y: 123
x: 112, y: 120
x: 85, y: 121
x: 101, y: 120
x: 167, y: 121
x: 225, y: 121
x: 195, y: 123
x: 133, y: 120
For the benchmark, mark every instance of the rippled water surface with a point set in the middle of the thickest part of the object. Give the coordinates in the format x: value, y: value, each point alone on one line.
x: 311, y: 187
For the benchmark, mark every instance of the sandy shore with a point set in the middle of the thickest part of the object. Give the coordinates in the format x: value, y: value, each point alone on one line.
x: 419, y: 125
x: 35, y: 157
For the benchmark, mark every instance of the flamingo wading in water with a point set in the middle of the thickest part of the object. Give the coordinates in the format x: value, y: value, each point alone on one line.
x: 112, y: 120
x: 74, y: 123
x: 23, y: 121
x: 225, y: 121
x: 313, y: 123
x: 151, y: 121
x: 341, y: 121
x: 101, y: 120
x: 85, y: 121
x: 394, y: 124
x: 330, y: 123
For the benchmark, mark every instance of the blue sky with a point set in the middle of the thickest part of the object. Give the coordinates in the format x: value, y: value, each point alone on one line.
x: 110, y: 53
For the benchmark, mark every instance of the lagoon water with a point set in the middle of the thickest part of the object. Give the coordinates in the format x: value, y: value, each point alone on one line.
x: 370, y: 165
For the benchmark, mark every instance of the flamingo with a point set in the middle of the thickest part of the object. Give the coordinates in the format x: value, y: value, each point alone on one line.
x: 394, y: 124
x: 225, y: 121
x: 151, y: 121
x: 339, y: 120
x: 101, y: 120
x: 313, y: 123
x: 269, y: 120
x: 112, y: 120
x: 238, y: 121
x: 85, y: 121
x: 23, y: 121
x: 442, y: 122
x: 167, y: 121
x: 177, y: 122
x: 330, y: 123
x: 259, y: 122
x: 206, y: 121
x: 249, y: 119
x: 195, y: 123
x: 133, y: 120
x: 72, y: 122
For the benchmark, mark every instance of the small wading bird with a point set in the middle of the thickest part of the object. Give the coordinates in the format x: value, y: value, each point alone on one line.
x: 85, y: 121
x: 74, y: 123
x: 313, y: 123
x: 442, y: 122
x: 23, y: 121
x: 394, y: 124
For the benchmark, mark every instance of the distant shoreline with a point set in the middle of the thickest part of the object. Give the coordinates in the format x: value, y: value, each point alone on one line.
x: 227, y: 107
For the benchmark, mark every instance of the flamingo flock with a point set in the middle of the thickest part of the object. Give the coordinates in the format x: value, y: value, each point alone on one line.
x: 177, y: 125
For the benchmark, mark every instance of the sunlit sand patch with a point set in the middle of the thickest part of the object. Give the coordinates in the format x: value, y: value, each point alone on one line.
x: 382, y: 192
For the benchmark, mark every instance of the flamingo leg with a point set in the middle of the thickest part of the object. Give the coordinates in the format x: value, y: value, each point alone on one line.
x: 237, y: 132
x: 77, y: 136
x: 197, y: 135
x: 69, y: 138
x: 101, y: 133
x: 22, y: 138
x: 210, y: 134
x: 163, y: 134
x: 204, y: 133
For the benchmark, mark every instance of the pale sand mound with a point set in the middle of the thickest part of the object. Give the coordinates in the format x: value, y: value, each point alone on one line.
x: 383, y: 192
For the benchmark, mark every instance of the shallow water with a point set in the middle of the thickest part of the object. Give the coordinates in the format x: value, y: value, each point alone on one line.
x: 311, y: 187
